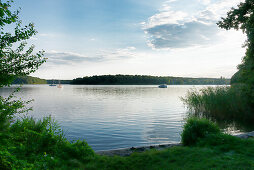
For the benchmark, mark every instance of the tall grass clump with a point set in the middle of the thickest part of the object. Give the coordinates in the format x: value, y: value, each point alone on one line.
x: 40, y: 144
x: 222, y: 103
x: 196, y: 128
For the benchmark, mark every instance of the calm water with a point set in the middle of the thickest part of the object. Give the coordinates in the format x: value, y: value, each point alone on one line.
x: 110, y: 117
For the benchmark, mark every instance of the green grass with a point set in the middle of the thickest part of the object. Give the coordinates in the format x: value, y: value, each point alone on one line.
x: 195, y: 129
x: 214, y: 152
x: 41, y: 144
x: 223, y: 104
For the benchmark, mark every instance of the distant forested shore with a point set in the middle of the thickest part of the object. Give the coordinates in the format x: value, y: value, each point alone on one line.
x: 36, y: 80
x: 57, y: 81
x: 29, y: 80
x: 147, y: 80
x: 126, y: 80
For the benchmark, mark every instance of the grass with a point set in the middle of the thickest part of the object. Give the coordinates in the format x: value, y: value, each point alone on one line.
x: 182, y: 158
x: 223, y: 104
x: 195, y: 129
x: 214, y: 152
x: 41, y: 144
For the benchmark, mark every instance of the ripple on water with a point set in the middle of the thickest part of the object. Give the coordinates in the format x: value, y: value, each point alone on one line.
x: 111, y: 117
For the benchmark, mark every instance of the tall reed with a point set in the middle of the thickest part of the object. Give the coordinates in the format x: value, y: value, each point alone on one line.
x: 221, y: 103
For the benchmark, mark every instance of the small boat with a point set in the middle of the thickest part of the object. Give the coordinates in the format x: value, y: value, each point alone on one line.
x: 59, y: 84
x: 162, y: 86
x: 52, y: 84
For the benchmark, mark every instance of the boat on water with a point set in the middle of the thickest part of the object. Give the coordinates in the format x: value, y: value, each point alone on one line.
x: 52, y: 84
x: 59, y: 84
x: 162, y: 86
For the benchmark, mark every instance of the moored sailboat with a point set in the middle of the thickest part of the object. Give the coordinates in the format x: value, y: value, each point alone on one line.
x: 163, y: 86
x: 52, y: 83
x: 59, y: 84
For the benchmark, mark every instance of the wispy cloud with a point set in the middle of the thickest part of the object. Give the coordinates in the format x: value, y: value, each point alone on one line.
x: 66, y: 58
x: 180, y: 28
x: 121, y: 53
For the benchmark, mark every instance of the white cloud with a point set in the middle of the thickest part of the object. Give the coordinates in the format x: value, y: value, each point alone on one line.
x: 66, y: 58
x: 166, y: 16
x: 182, y: 27
x: 116, y: 54
x: 205, y: 2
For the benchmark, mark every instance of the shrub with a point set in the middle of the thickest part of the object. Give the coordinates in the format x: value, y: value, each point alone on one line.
x: 40, y: 144
x: 196, y: 128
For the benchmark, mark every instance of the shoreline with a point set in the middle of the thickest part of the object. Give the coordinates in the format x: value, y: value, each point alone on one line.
x: 129, y: 151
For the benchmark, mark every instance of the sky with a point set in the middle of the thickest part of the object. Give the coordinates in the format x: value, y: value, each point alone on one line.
x: 136, y: 37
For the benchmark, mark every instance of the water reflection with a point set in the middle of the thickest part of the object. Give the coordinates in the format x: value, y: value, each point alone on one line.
x: 230, y: 126
x: 110, y: 117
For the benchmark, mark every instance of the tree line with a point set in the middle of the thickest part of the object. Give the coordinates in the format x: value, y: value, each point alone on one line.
x: 147, y: 80
x: 28, y: 80
x: 126, y: 80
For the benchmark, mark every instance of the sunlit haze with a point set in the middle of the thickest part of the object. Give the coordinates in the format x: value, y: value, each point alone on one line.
x: 144, y: 37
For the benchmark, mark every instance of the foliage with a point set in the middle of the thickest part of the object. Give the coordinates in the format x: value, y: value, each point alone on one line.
x: 226, y: 105
x: 242, y: 18
x: 195, y: 128
x: 40, y: 144
x: 28, y: 80
x: 9, y: 107
x: 16, y: 62
x: 228, y: 153
x: 223, y: 102
x: 146, y: 80
x: 30, y: 144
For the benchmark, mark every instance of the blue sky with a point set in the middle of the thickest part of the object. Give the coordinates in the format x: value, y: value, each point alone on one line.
x: 151, y: 37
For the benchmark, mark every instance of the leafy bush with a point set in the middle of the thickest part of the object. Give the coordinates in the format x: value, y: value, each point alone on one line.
x: 195, y: 128
x: 30, y: 143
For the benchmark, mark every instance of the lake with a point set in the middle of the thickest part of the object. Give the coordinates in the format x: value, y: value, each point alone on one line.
x: 111, y: 117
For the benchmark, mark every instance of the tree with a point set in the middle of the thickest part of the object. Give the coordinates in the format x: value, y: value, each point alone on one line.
x: 242, y: 18
x: 14, y: 62
x: 21, y: 60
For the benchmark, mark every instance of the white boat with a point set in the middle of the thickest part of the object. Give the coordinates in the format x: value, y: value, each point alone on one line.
x: 59, y: 84
x: 52, y: 84
x: 162, y: 86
